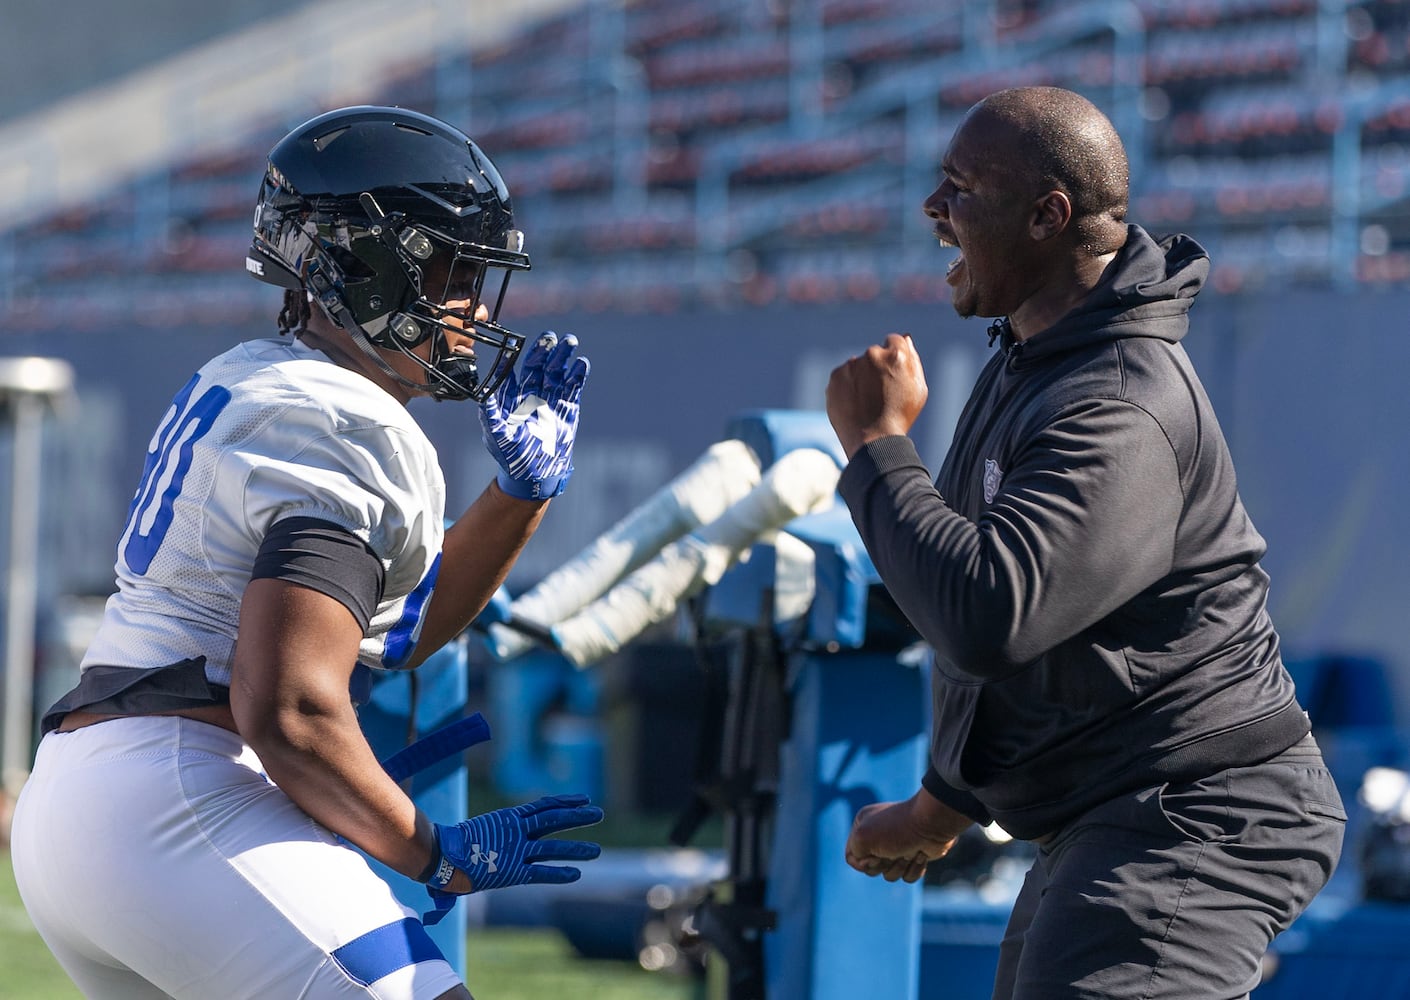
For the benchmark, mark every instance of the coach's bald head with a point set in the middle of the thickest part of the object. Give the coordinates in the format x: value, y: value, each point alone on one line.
x: 1051, y: 138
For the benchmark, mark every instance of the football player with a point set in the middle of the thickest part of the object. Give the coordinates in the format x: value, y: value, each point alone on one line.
x: 185, y: 829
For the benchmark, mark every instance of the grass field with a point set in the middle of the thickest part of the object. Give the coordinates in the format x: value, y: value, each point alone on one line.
x: 503, y: 964
x: 30, y: 972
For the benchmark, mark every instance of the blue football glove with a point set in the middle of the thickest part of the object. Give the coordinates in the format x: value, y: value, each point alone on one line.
x: 503, y: 848
x: 530, y: 422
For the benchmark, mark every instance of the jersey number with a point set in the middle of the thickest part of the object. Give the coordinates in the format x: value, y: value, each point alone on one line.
x: 167, y: 463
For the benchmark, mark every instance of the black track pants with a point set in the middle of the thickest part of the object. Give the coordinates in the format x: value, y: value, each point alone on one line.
x: 1175, y: 891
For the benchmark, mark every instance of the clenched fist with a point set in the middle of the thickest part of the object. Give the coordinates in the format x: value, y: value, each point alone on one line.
x: 876, y: 394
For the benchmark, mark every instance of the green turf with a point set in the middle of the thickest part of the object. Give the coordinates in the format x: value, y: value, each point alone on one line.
x: 503, y: 964
x: 30, y: 972
x: 525, y: 964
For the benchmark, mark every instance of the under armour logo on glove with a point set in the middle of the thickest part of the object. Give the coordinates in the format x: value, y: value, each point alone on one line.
x: 530, y: 422
x: 486, y: 858
x: 503, y: 847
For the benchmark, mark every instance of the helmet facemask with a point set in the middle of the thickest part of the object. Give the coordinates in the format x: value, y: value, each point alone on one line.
x: 445, y: 287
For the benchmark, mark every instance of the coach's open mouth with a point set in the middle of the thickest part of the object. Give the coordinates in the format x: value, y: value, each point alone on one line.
x: 950, y: 244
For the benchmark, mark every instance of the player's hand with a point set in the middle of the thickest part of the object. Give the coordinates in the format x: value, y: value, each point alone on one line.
x: 504, y: 847
x: 876, y: 394
x: 531, y: 421
x: 897, y: 840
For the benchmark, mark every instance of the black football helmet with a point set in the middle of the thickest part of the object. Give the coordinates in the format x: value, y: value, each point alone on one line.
x: 384, y: 216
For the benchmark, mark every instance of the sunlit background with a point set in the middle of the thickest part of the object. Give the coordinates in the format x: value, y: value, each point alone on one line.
x: 722, y: 199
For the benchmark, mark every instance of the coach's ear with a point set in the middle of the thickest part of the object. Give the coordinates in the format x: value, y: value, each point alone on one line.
x: 1051, y: 214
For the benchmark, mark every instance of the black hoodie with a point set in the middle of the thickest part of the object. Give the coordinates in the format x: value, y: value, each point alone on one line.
x: 1083, y: 566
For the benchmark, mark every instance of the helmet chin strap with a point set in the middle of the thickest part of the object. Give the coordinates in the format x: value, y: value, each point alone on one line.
x: 367, y: 347
x: 340, y: 316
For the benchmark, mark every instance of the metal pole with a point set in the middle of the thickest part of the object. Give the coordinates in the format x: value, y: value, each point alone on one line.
x: 805, y: 54
x: 26, y: 419
x: 27, y: 387
x: 1346, y: 197
x: 1331, y: 41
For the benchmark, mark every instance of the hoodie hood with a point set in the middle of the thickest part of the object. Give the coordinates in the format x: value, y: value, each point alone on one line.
x: 1147, y: 291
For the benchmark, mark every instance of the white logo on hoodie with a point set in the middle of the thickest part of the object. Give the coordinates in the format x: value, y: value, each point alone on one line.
x: 993, y: 476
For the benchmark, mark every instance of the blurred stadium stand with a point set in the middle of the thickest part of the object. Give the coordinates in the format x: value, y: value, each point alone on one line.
x: 663, y: 153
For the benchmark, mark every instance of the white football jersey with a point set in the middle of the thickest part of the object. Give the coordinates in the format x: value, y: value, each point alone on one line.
x: 270, y: 429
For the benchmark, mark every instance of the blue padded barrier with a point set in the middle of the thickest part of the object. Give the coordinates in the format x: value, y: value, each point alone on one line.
x: 774, y: 433
x: 855, y: 735
x: 548, y: 734
x: 844, y: 576
x: 1337, y: 952
x: 959, y: 943
x: 404, y: 706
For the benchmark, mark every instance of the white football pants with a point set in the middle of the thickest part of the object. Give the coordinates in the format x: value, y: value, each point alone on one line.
x: 157, y: 860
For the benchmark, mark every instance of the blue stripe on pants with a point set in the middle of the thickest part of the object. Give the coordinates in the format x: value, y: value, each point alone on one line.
x: 383, y: 951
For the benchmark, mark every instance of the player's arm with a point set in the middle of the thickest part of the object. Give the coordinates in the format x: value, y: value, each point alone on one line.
x: 477, y: 554
x: 529, y: 427
x: 305, y: 611
x: 289, y: 695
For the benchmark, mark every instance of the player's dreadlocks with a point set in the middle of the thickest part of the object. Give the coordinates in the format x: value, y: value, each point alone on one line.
x: 293, y: 317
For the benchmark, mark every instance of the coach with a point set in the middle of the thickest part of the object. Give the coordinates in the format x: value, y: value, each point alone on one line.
x: 1107, y: 681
